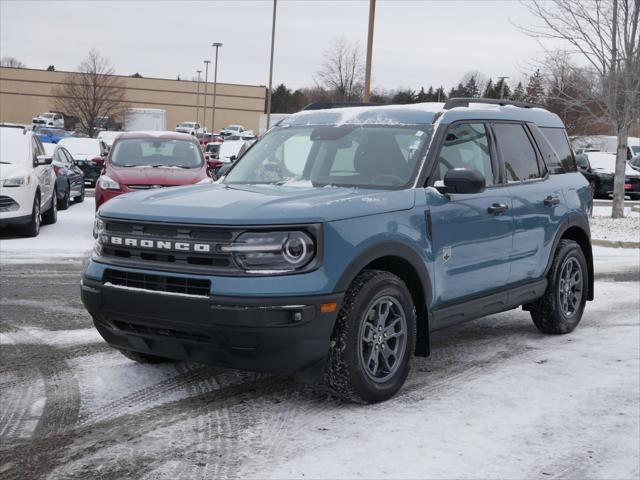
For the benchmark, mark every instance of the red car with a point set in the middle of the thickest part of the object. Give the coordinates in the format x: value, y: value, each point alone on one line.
x: 144, y: 160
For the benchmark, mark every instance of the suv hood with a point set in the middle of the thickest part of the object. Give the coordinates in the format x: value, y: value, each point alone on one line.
x: 255, y: 204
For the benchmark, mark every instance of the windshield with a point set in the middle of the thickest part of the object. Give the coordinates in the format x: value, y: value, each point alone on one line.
x: 635, y: 161
x: 635, y: 150
x: 137, y: 152
x: 52, y: 131
x: 345, y: 155
x: 186, y: 125
x: 81, y: 146
x: 47, y: 115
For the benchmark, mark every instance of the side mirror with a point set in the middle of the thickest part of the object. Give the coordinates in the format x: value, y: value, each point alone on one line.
x: 463, y: 180
x: 42, y: 160
x: 213, y: 163
x: 99, y: 161
x: 232, y: 158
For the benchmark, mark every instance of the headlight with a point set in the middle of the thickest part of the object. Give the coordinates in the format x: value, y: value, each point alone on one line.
x: 98, y: 228
x: 260, y: 252
x: 108, y: 183
x: 16, y: 182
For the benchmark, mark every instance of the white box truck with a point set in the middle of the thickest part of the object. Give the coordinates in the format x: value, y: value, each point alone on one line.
x: 136, y: 119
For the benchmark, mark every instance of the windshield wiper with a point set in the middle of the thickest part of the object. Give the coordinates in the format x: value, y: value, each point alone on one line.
x: 6, y: 163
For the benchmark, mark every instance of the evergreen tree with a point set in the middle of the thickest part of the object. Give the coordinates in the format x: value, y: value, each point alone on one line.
x: 518, y: 93
x: 404, y: 96
x: 430, y: 95
x: 51, y: 68
x: 488, y: 89
x: 422, y: 95
x: 439, y: 95
x: 281, y: 99
x: 535, y: 88
x: 501, y: 89
x: 471, y: 89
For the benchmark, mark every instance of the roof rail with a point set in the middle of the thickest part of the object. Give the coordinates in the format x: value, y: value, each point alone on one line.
x: 326, y: 105
x: 464, y: 102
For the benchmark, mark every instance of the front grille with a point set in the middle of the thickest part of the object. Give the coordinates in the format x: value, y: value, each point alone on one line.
x: 147, y: 187
x: 212, y: 261
x: 158, y: 283
x: 8, y: 204
x: 160, y: 332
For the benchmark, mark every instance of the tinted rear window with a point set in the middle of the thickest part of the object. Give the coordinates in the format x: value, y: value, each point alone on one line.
x: 519, y: 156
x: 557, y: 137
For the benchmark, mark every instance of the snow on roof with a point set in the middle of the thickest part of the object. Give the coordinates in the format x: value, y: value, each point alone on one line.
x: 419, y: 114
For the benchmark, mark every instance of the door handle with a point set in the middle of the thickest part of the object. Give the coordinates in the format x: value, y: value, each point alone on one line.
x: 551, y: 201
x: 497, y: 209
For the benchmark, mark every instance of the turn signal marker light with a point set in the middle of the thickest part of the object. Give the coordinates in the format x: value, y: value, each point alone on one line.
x: 328, y: 307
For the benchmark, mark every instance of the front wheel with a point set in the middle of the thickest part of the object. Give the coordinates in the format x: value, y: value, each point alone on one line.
x: 560, y: 309
x: 373, y: 340
x: 32, y: 229
x: 51, y: 216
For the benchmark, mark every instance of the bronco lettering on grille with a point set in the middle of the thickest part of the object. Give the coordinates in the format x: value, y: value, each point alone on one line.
x: 160, y: 244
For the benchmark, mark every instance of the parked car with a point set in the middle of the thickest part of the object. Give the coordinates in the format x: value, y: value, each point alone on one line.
x: 232, y: 130
x: 69, y: 177
x: 343, y: 237
x: 190, y: 128
x: 49, y: 119
x: 108, y: 137
x: 232, y: 148
x: 635, y: 163
x: 143, y: 161
x: 50, y: 135
x: 89, y: 154
x: 27, y: 182
x: 249, y: 136
x: 206, y: 138
x: 599, y: 170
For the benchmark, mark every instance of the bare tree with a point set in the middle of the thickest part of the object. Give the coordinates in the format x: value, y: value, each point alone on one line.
x: 91, y: 92
x: 11, y: 62
x: 606, y: 35
x: 342, y: 72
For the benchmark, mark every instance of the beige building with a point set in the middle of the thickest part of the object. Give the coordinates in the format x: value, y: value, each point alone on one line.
x: 25, y: 93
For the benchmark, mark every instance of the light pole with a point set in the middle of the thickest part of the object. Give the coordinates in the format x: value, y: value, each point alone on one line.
x: 273, y: 38
x: 198, y: 97
x: 502, y: 79
x: 215, y: 85
x: 204, y: 103
x: 367, y: 68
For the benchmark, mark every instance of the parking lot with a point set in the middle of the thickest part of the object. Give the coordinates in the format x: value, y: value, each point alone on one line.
x: 495, y: 399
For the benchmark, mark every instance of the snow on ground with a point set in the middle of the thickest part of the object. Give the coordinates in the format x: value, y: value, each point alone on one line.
x: 69, y: 239
x: 603, y: 227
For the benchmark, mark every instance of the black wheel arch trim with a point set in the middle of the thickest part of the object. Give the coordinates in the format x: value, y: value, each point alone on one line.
x: 575, y: 220
x: 396, y: 249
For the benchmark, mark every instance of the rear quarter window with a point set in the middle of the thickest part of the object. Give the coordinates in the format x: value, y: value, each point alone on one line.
x: 557, y: 137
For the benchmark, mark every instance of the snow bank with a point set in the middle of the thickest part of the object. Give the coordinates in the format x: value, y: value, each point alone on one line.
x: 69, y: 239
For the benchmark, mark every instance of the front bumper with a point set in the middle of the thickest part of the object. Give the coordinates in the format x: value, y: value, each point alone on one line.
x: 275, y: 335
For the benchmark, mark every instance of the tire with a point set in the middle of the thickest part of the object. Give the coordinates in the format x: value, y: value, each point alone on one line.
x: 79, y: 198
x: 51, y: 216
x: 356, y: 369
x: 63, y: 203
x: 560, y: 309
x: 32, y: 229
x: 143, y: 357
x: 594, y: 188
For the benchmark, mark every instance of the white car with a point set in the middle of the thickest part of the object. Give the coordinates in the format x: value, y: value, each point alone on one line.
x: 232, y: 148
x: 48, y: 119
x: 27, y: 182
x: 232, y: 130
x: 108, y: 137
x: 192, y: 128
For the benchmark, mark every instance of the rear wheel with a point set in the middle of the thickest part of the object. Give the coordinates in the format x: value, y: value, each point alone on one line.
x: 560, y: 309
x: 51, y: 216
x: 63, y: 203
x: 79, y: 198
x: 373, y: 339
x: 143, y: 357
x: 32, y: 229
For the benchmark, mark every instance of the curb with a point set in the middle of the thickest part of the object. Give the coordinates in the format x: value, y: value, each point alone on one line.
x: 615, y: 243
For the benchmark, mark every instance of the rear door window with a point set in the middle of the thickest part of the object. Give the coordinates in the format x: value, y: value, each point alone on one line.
x: 557, y: 137
x: 518, y: 154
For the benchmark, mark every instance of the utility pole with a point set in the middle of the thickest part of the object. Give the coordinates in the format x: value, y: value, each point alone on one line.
x: 198, y: 97
x: 273, y: 38
x: 204, y: 103
x: 502, y: 79
x: 215, y: 85
x: 367, y: 70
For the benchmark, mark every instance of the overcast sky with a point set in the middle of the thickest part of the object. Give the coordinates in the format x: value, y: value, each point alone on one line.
x: 416, y: 43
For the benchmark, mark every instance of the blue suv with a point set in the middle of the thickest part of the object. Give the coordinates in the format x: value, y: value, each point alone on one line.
x: 343, y: 237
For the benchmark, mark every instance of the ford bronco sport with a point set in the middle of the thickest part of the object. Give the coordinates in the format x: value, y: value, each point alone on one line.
x: 343, y: 237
